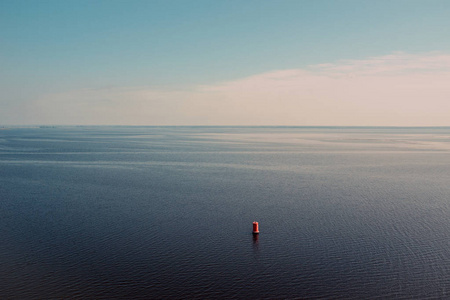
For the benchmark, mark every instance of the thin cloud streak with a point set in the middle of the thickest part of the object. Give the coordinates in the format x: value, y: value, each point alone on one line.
x: 398, y: 89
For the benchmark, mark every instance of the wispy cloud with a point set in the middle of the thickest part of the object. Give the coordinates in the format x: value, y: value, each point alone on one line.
x: 388, y: 65
x: 398, y: 89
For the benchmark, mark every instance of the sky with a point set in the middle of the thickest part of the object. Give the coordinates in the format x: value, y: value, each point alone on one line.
x: 225, y: 62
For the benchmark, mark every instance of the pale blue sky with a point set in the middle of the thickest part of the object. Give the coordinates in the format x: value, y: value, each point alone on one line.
x: 51, y: 48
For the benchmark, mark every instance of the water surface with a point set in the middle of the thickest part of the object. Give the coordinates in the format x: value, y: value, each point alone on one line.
x: 167, y: 212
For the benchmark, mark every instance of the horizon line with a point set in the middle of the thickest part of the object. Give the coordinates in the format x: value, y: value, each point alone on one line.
x: 225, y: 126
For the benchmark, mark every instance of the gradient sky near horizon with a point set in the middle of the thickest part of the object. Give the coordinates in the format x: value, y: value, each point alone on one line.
x: 229, y: 62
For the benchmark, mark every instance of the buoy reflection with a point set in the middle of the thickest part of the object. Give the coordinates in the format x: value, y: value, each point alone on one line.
x: 255, y: 238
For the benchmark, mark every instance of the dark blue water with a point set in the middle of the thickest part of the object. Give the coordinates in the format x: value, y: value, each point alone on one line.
x: 166, y: 213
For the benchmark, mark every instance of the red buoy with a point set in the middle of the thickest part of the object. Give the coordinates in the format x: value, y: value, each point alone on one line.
x: 255, y: 227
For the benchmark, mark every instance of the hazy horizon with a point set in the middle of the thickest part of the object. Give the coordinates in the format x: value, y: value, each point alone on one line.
x: 219, y: 126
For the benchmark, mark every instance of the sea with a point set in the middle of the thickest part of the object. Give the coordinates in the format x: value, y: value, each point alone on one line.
x: 117, y: 212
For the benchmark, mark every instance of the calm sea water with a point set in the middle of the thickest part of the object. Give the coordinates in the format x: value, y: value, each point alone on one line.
x: 166, y: 213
